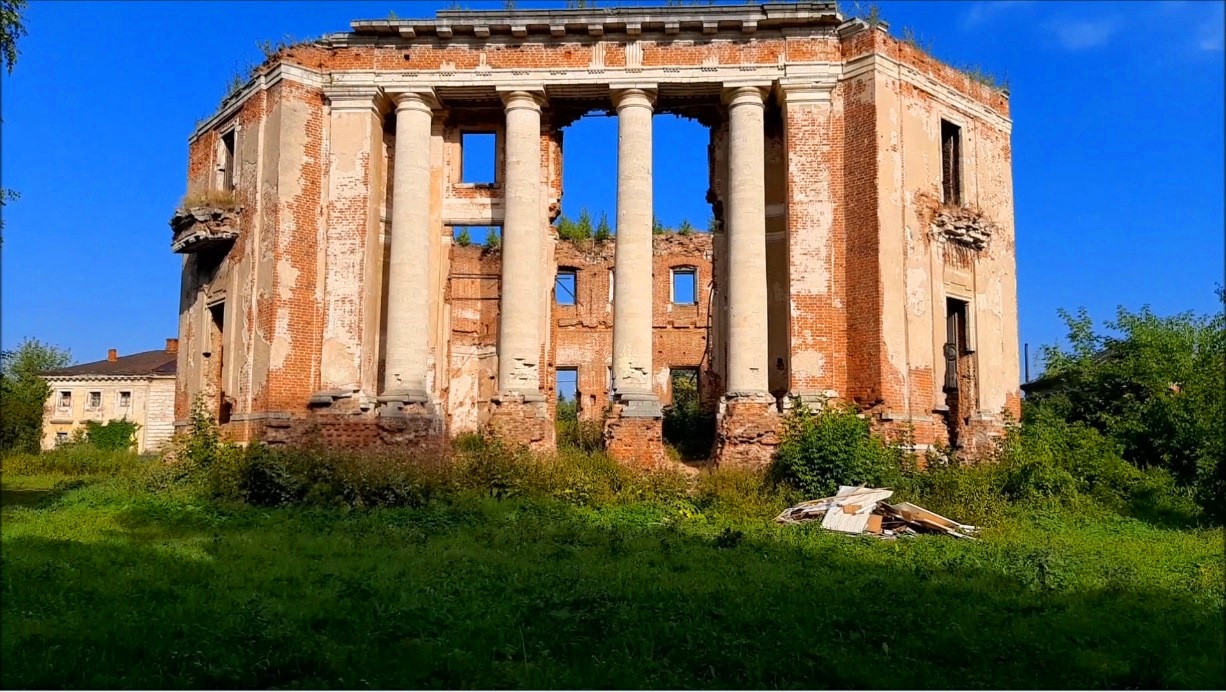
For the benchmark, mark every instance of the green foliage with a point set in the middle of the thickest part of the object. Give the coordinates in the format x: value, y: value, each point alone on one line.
x: 657, y: 226
x: 585, y: 593
x: 686, y: 427
x: 1156, y: 387
x: 493, y: 239
x: 685, y: 227
x: 463, y: 239
x: 73, y: 460
x: 12, y: 28
x: 819, y: 451
x: 603, y: 231
x: 23, y: 393
x: 114, y: 435
x: 575, y: 230
x: 712, y: 224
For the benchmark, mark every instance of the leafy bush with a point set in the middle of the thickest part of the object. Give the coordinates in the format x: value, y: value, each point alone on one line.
x: 819, y: 451
x: 581, y: 435
x: 687, y: 428
x: 74, y: 460
x: 1156, y: 388
x: 114, y: 435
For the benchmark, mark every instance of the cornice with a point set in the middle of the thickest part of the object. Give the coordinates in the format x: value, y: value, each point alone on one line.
x: 727, y: 21
x: 104, y: 378
x: 261, y: 82
x: 889, y: 67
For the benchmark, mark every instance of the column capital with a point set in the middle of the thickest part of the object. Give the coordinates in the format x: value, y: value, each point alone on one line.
x: 642, y: 96
x: 799, y: 92
x: 417, y: 99
x: 352, y: 97
x: 734, y: 94
x: 531, y: 97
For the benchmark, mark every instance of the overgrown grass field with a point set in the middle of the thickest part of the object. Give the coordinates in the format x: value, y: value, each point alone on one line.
x: 107, y: 583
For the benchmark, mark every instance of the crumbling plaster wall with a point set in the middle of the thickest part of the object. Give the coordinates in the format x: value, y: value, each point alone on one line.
x: 916, y: 274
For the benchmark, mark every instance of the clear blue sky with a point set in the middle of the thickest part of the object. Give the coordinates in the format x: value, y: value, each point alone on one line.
x: 1117, y: 142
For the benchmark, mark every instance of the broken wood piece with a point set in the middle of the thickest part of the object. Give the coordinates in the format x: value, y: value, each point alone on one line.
x: 874, y: 524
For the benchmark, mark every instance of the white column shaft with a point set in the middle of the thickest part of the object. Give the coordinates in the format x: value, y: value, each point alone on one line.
x: 747, y: 296
x: 633, y: 259
x: 519, y: 342
x: 408, y: 267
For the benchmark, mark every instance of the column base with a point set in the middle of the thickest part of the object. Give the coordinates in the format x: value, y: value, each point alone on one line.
x: 747, y: 430
x: 523, y: 418
x: 416, y: 428
x: 634, y: 432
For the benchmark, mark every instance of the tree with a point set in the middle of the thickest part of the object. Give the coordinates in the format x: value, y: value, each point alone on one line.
x: 583, y: 227
x: 463, y: 239
x: 23, y: 393
x: 657, y: 226
x: 11, y: 28
x: 1156, y: 387
x: 603, y: 231
x: 685, y: 227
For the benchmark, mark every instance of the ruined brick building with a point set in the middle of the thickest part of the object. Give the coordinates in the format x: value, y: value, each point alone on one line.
x: 864, y: 243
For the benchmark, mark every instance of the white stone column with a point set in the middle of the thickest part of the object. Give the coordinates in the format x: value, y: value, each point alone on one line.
x: 520, y: 298
x: 746, y: 228
x: 404, y: 375
x: 633, y: 259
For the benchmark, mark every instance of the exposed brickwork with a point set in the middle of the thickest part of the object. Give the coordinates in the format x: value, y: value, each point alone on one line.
x: 856, y: 285
x: 748, y: 434
x: 526, y: 423
x: 635, y: 441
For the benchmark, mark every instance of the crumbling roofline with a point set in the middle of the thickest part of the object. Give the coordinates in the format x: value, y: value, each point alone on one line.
x: 599, y: 21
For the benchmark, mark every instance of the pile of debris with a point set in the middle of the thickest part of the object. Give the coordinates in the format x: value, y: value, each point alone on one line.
x: 857, y: 509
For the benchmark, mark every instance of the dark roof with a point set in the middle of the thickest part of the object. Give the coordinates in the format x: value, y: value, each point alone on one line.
x: 160, y: 362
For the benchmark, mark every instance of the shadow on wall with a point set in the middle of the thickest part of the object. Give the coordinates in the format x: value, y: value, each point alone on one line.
x: 541, y: 595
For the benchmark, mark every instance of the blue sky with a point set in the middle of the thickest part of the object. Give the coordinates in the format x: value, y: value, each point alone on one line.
x: 1117, y: 141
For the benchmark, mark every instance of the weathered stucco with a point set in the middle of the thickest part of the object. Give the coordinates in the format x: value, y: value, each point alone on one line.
x: 825, y: 277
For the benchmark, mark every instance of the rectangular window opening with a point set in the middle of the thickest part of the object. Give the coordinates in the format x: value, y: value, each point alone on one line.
x: 568, y: 393
x: 125, y: 399
x: 477, y: 158
x: 486, y: 236
x: 564, y: 287
x: 683, y: 387
x: 955, y: 339
x: 951, y: 162
x: 227, y: 161
x: 65, y: 400
x: 94, y: 402
x: 685, y: 286
x: 61, y: 438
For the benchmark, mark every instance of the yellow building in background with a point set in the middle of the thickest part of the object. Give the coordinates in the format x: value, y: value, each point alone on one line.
x: 139, y: 388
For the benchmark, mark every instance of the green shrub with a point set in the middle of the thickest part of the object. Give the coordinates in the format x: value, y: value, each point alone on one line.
x: 687, y: 428
x: 114, y: 435
x: 581, y: 435
x: 819, y: 451
x: 77, y: 460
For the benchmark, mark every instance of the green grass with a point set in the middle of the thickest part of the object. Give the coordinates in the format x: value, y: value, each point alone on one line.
x: 105, y: 586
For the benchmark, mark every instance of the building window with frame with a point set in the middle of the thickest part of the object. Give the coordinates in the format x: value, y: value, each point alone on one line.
x: 684, y: 286
x: 125, y: 399
x: 951, y: 163
x: 94, y: 401
x: 564, y: 286
x: 61, y: 438
x: 64, y: 403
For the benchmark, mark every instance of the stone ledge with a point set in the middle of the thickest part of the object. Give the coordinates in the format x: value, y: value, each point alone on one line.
x: 202, y: 228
